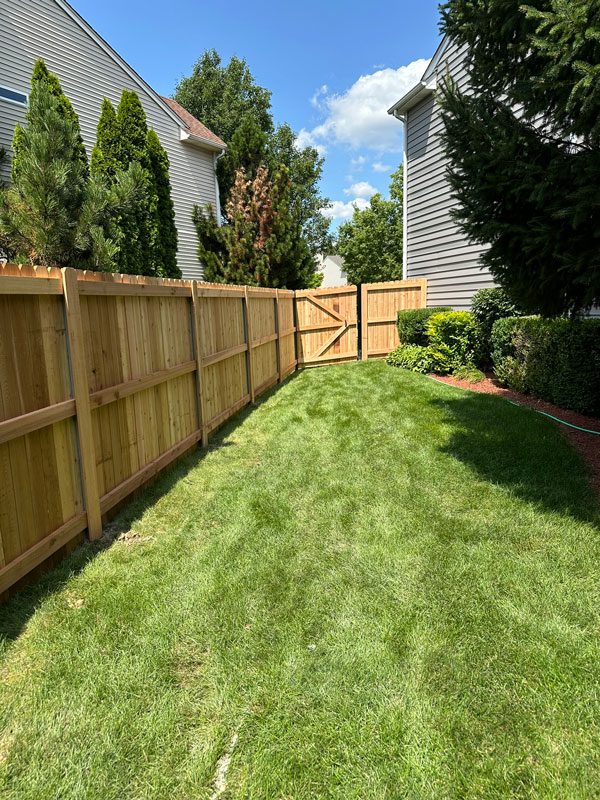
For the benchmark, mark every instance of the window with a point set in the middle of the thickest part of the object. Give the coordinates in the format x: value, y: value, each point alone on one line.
x: 13, y: 96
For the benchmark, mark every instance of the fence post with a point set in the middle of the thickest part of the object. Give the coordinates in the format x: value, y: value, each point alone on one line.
x: 81, y: 395
x: 364, y: 322
x: 423, y: 292
x: 249, y: 340
x: 278, y: 340
x: 198, y: 352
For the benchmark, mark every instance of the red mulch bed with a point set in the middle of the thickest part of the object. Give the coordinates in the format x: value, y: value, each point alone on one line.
x: 587, y: 444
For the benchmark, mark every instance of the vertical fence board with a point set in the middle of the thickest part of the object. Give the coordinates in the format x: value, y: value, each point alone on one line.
x: 82, y: 402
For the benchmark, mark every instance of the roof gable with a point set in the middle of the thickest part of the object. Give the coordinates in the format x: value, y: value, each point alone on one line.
x: 146, y: 88
x: 193, y: 125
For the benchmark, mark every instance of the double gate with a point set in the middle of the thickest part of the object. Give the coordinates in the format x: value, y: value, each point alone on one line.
x: 329, y: 321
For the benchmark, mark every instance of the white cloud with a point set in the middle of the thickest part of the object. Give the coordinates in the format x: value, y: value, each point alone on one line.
x: 359, y: 161
x: 322, y: 91
x: 358, y: 117
x: 379, y: 167
x: 340, y: 210
x: 306, y: 139
x: 361, y: 189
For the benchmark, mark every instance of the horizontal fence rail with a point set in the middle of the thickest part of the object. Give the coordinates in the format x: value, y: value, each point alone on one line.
x: 106, y: 379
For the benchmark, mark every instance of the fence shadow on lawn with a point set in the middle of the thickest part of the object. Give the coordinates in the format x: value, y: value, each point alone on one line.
x: 516, y: 448
x: 16, y: 611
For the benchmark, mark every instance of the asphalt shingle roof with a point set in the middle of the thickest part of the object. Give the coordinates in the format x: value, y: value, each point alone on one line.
x: 192, y: 124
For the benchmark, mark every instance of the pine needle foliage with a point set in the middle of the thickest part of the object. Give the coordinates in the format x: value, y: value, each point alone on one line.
x: 524, y: 145
x: 53, y: 213
x: 148, y: 236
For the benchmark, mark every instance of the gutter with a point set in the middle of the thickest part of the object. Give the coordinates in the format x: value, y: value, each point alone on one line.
x: 416, y: 94
x: 200, y: 141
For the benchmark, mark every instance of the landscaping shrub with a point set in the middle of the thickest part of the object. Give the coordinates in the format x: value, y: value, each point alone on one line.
x: 412, y: 324
x: 555, y: 359
x: 413, y: 357
x: 488, y: 306
x: 453, y: 340
x: 470, y: 374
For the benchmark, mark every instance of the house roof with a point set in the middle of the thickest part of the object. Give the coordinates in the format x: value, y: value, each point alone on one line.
x: 212, y: 141
x: 193, y: 125
x: 424, y: 88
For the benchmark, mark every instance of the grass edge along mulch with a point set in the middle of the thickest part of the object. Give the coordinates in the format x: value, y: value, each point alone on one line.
x: 587, y: 445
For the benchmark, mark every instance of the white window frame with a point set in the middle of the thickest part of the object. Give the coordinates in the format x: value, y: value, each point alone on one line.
x: 10, y: 100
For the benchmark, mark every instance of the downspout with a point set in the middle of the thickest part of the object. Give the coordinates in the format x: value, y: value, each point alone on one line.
x: 404, y: 119
x: 216, y: 157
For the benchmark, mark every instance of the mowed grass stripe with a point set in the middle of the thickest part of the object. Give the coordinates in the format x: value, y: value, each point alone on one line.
x: 387, y: 587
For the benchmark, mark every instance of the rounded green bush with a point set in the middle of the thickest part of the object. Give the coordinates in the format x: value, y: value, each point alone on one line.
x: 412, y: 324
x: 454, y: 339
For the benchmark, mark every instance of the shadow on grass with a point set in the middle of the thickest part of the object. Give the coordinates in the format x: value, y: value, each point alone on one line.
x: 516, y: 448
x: 16, y: 611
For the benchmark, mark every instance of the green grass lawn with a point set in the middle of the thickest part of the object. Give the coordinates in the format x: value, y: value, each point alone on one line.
x: 374, y: 585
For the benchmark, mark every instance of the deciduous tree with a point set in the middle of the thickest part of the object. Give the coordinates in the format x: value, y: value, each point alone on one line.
x: 371, y: 242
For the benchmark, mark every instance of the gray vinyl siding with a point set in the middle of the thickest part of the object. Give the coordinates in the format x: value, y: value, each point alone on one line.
x: 30, y: 29
x: 436, y: 248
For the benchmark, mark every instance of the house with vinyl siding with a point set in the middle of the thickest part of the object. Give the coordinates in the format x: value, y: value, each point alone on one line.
x: 89, y: 70
x: 434, y: 246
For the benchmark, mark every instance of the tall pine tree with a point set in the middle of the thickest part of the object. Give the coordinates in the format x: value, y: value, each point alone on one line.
x: 524, y: 145
x: 53, y: 213
x: 122, y: 139
x: 166, y: 239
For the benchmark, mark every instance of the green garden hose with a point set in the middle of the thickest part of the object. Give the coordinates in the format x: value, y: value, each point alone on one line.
x: 519, y: 405
x: 557, y: 419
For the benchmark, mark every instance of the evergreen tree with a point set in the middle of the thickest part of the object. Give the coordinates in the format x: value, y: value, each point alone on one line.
x: 122, y: 141
x: 52, y: 213
x: 104, y: 153
x: 371, y: 243
x: 262, y: 242
x: 524, y: 145
x: 42, y: 74
x: 166, y: 242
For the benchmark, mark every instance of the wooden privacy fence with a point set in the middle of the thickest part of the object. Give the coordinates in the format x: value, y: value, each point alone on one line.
x: 106, y: 379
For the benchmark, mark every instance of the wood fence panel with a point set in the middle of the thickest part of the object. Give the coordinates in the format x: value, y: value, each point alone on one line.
x: 141, y: 336
x: 327, y: 325
x: 287, y: 333
x: 40, y: 484
x: 380, y: 303
x: 223, y: 352
x: 262, y: 308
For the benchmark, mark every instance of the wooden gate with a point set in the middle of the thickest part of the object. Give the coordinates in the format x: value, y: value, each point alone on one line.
x: 327, y: 325
x: 380, y: 303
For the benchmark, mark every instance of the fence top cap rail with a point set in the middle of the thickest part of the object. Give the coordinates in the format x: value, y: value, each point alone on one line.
x: 346, y: 288
x: 28, y: 271
x: 407, y: 282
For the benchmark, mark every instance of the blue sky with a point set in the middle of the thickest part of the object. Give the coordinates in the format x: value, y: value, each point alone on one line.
x: 333, y: 68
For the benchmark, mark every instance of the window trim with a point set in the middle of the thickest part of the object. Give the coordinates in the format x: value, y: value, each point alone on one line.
x: 10, y: 99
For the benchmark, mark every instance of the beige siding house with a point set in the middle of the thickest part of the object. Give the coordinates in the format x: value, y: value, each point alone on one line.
x: 89, y: 70
x: 332, y: 268
x: 434, y: 246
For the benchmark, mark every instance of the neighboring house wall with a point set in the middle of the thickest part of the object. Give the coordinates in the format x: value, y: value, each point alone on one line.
x: 435, y: 248
x: 31, y: 29
x: 332, y: 268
